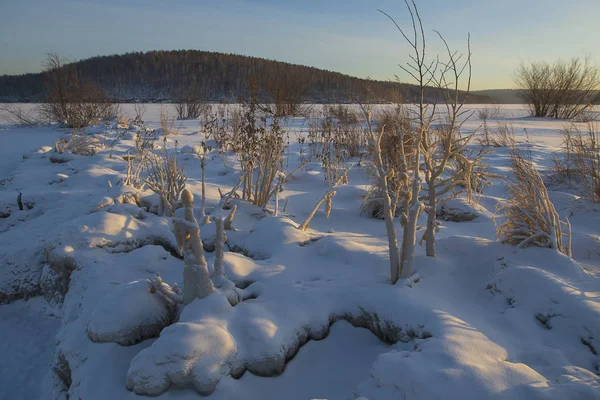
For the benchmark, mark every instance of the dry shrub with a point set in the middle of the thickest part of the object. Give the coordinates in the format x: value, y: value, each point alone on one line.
x: 78, y: 143
x: 166, y: 177
x: 347, y: 131
x: 334, y: 138
x: 270, y: 161
x: 502, y: 136
x: 342, y: 113
x: 581, y: 161
x: 529, y: 216
x: 490, y: 111
x: 123, y: 121
x: 16, y: 115
x: 167, y: 123
x: 140, y: 110
x: 222, y: 124
x: 260, y: 144
x: 589, y: 115
x: 144, y: 144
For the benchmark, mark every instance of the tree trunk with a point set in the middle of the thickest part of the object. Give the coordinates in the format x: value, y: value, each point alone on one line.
x: 391, y: 232
x: 410, y: 231
x: 430, y: 233
x: 203, y: 204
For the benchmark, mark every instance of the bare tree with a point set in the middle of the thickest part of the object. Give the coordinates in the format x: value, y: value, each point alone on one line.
x: 70, y: 101
x: 565, y: 89
x: 442, y: 144
x: 435, y: 144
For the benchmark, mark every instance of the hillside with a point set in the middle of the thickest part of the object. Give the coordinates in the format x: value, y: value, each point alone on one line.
x: 156, y: 76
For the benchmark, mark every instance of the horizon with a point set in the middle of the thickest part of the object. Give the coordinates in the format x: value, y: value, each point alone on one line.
x: 353, y: 39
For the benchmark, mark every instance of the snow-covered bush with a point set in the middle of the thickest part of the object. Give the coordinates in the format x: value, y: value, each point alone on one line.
x: 529, y: 216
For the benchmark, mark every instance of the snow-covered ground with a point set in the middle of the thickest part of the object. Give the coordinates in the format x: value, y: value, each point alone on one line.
x: 485, y: 320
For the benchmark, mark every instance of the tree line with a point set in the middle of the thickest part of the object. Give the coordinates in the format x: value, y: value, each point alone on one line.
x: 157, y: 76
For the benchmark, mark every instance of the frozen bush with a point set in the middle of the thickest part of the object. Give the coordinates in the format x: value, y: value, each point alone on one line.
x: 529, y: 216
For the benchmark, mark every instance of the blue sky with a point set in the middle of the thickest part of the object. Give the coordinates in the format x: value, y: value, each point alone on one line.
x: 348, y: 36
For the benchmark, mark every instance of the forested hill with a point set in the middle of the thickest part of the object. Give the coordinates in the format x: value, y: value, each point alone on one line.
x: 158, y: 75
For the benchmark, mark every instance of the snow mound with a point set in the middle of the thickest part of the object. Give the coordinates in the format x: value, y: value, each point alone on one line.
x: 458, y: 210
x: 269, y: 237
x: 130, y: 314
x: 467, y: 364
x: 243, y: 270
x: 350, y: 251
x: 258, y: 335
x: 190, y: 355
x: 115, y: 232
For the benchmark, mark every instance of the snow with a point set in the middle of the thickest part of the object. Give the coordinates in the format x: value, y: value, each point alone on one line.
x: 327, y: 369
x: 141, y: 315
x: 484, y: 321
x: 27, y: 330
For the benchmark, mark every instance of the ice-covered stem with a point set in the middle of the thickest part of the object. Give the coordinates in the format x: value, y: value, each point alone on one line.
x: 196, y: 279
x: 383, y: 176
x: 219, y: 279
x: 327, y: 197
x: 172, y: 293
x: 187, y: 199
x: 129, y: 159
x: 229, y: 220
x: 409, y: 221
x: 202, y: 157
x: 203, y: 204
x: 280, y: 179
x: 304, y: 164
x: 227, y: 198
x: 218, y: 271
x: 569, y: 251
